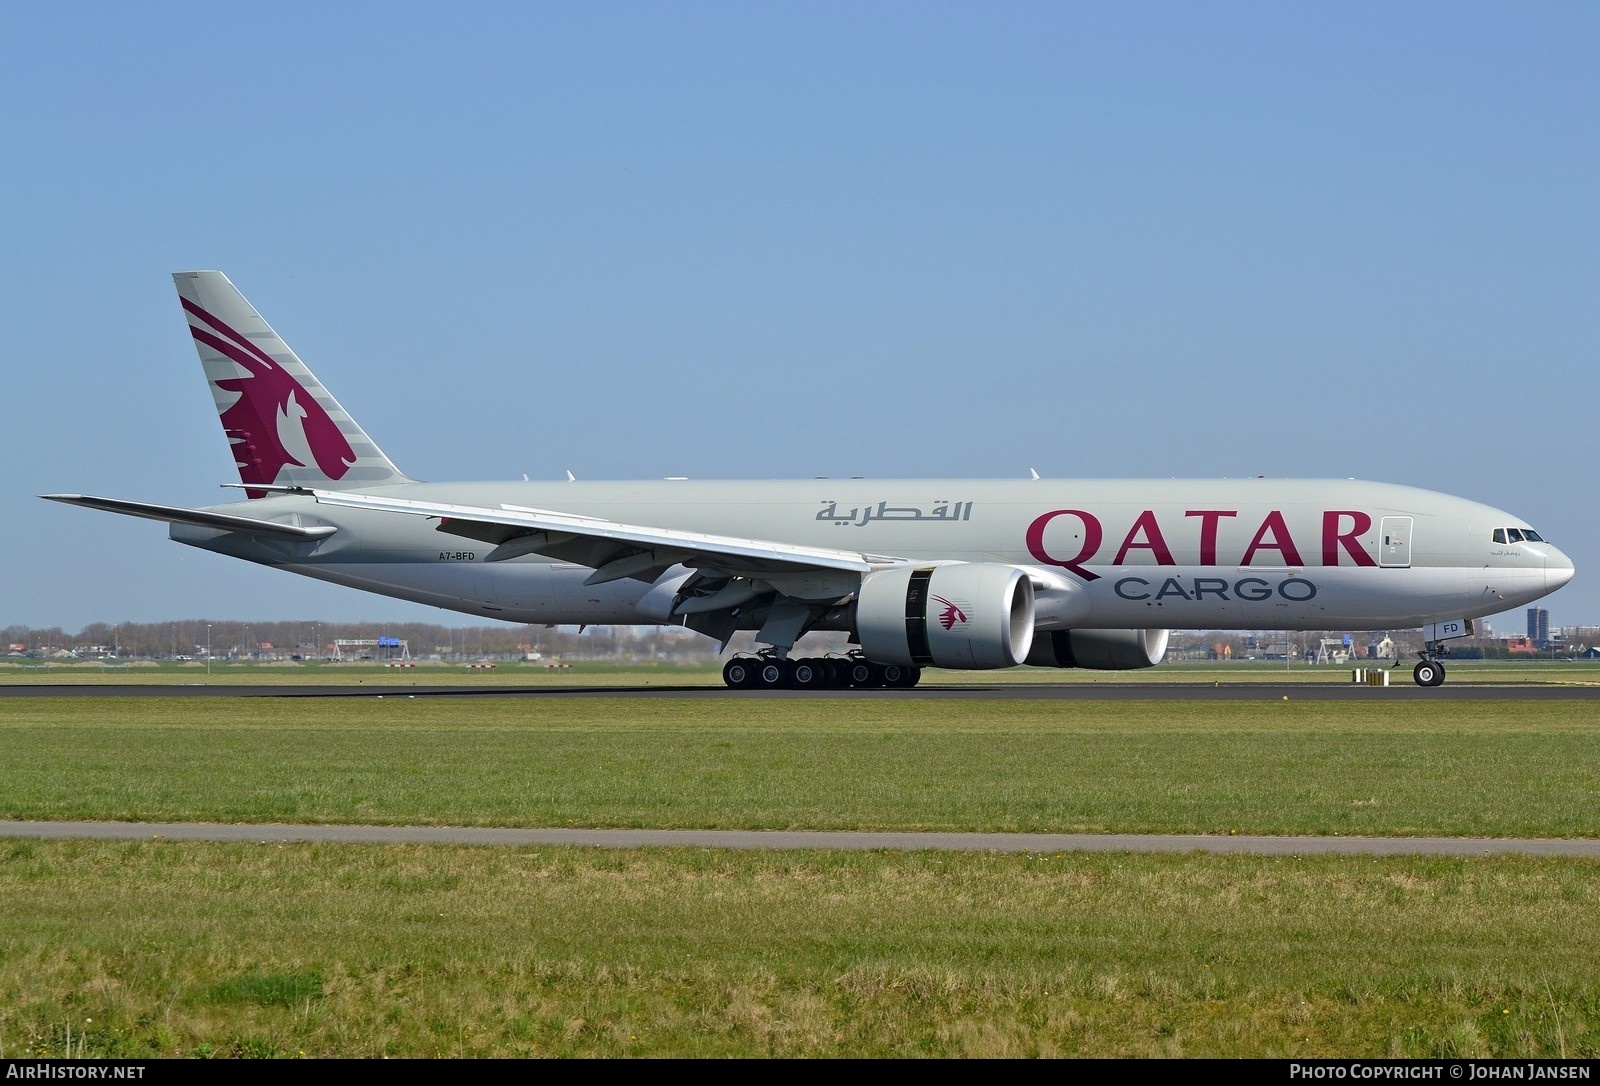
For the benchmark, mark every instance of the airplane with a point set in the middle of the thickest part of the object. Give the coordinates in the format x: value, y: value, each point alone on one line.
x: 960, y: 574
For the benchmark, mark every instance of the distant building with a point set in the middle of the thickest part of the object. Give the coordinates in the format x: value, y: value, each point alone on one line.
x: 1521, y: 645
x: 1539, y: 626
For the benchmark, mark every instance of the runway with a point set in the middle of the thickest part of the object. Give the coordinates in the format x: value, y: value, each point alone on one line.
x: 1075, y: 691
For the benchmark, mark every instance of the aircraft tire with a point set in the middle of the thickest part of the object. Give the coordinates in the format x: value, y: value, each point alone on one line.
x: 739, y: 673
x: 908, y: 678
x: 865, y: 675
x: 772, y: 674
x: 1428, y: 673
x: 808, y: 674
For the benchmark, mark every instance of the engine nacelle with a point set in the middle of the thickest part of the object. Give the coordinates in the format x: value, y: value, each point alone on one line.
x: 969, y: 616
x: 1099, y: 650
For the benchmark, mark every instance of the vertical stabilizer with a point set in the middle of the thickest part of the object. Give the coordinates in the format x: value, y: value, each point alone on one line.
x: 282, y: 425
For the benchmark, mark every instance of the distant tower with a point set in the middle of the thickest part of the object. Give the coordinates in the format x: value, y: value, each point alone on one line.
x: 1539, y: 625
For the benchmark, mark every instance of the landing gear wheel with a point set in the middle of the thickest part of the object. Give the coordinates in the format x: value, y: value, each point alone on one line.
x: 1428, y: 673
x: 772, y: 674
x: 808, y: 675
x: 865, y: 675
x: 900, y: 676
x: 739, y: 673
x: 909, y: 677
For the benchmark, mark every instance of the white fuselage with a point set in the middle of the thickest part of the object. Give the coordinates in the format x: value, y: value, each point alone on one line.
x: 1108, y: 554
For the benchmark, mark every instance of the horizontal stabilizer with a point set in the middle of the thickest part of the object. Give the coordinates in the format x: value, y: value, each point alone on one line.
x: 177, y: 515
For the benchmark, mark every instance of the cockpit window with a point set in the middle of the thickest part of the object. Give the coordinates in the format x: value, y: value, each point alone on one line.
x: 1499, y: 535
x: 1517, y: 535
x: 1532, y: 536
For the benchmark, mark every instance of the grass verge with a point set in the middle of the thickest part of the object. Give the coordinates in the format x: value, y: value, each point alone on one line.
x: 157, y: 949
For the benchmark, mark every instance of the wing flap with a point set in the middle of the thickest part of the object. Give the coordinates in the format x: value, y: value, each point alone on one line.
x: 603, y: 541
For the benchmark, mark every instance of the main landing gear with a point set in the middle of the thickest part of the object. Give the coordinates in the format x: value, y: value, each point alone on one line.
x: 767, y: 672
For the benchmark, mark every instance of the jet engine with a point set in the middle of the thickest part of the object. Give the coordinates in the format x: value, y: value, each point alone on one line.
x: 1099, y: 650
x: 968, y: 616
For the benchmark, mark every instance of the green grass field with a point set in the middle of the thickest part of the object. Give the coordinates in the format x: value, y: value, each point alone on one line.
x: 158, y: 948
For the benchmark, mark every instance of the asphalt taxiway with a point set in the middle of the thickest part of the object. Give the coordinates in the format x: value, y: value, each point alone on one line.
x: 276, y: 833
x: 1078, y: 691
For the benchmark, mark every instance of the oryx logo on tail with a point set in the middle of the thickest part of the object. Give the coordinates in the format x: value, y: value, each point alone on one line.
x: 275, y: 423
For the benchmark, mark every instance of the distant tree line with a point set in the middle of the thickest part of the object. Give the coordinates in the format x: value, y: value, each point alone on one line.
x: 315, y: 639
x: 235, y: 639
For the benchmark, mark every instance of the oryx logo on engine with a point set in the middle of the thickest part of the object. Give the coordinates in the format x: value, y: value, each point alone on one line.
x: 951, y: 614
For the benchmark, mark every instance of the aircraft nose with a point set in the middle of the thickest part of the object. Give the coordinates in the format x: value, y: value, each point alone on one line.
x: 1558, y: 569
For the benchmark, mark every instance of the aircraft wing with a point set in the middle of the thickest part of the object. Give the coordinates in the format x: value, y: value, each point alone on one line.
x: 612, y: 548
x: 177, y: 514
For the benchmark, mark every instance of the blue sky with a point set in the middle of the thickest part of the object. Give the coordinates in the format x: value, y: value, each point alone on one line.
x: 797, y: 239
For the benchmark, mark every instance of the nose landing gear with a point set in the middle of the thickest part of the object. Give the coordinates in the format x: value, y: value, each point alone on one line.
x: 1429, y: 672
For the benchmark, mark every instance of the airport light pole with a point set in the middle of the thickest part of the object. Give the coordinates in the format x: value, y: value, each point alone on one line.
x: 208, y: 648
